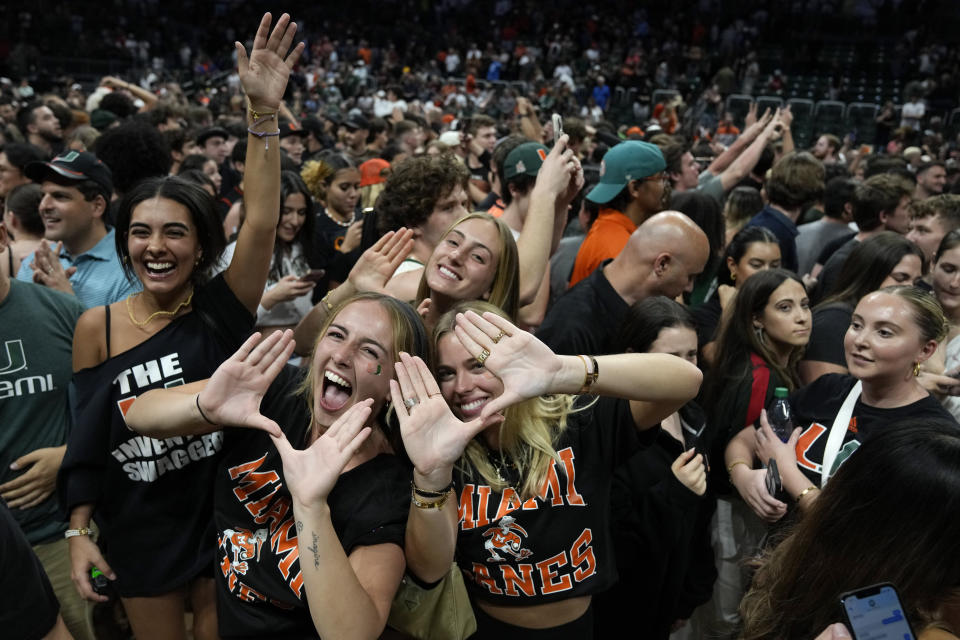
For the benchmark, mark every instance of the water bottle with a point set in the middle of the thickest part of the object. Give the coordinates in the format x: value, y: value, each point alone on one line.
x: 780, y: 416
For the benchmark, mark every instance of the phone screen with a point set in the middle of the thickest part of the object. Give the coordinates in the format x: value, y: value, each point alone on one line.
x: 875, y: 613
x: 557, y: 127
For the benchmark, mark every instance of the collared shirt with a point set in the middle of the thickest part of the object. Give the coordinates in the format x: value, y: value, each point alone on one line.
x: 786, y: 231
x: 607, y: 237
x: 99, y: 278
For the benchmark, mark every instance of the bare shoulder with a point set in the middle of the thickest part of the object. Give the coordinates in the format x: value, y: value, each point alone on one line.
x: 89, y: 338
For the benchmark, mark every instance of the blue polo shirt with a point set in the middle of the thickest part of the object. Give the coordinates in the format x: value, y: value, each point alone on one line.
x: 785, y: 230
x: 99, y: 278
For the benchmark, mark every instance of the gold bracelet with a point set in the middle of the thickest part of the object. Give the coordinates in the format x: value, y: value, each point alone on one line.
x: 806, y: 491
x: 429, y: 493
x: 735, y: 463
x: 589, y: 377
x: 256, y: 115
x: 325, y: 301
x: 420, y: 504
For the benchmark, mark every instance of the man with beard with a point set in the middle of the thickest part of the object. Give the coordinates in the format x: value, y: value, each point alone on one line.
x: 41, y: 128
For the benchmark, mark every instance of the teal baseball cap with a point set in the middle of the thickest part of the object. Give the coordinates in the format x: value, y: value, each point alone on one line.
x: 629, y: 160
x: 526, y: 159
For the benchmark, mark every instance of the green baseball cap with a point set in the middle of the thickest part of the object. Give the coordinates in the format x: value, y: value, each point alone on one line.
x: 526, y: 159
x: 629, y: 160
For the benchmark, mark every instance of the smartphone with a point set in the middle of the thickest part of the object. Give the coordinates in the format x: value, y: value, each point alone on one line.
x: 557, y: 127
x: 774, y: 484
x: 314, y: 275
x: 694, y: 440
x: 875, y: 613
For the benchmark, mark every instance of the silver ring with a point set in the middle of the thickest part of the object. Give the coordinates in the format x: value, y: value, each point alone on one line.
x: 410, y: 403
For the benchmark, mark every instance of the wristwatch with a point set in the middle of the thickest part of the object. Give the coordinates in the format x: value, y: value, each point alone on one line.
x: 69, y: 533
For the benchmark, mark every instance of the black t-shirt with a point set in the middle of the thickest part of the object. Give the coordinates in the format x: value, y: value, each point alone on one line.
x: 259, y: 585
x: 830, y: 325
x: 153, y: 503
x: 30, y: 607
x: 328, y: 236
x: 827, y: 279
x: 584, y: 319
x: 816, y: 405
x: 707, y: 319
x: 556, y: 545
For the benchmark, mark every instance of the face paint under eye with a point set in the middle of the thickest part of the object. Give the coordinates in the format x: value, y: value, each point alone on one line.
x: 375, y: 370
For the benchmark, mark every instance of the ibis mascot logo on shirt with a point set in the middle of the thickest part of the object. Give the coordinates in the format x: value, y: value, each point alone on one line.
x: 275, y: 540
x: 506, y: 542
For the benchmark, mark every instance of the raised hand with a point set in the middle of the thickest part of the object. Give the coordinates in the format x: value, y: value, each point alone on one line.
x: 559, y: 169
x: 377, y: 264
x: 265, y: 72
x: 311, y: 473
x: 433, y: 437
x: 525, y: 365
x: 233, y: 394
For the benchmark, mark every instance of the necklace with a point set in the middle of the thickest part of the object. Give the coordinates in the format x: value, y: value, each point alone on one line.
x: 349, y: 222
x: 161, y: 312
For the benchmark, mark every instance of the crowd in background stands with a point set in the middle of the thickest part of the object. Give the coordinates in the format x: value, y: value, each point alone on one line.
x: 686, y: 212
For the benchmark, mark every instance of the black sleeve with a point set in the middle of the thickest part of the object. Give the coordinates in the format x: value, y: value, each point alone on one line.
x: 88, y: 441
x: 30, y: 607
x: 606, y: 425
x: 826, y: 339
x: 223, y: 313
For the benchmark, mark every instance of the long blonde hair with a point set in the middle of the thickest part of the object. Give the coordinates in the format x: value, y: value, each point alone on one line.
x: 505, y: 288
x: 528, y: 435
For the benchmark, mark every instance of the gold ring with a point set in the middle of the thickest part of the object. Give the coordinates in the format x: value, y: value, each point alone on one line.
x: 499, y: 337
x: 482, y: 356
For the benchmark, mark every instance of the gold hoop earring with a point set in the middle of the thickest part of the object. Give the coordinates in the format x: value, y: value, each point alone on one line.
x: 733, y: 276
x: 916, y: 369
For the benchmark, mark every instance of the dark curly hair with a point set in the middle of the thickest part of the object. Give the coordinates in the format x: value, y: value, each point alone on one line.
x: 414, y: 187
x: 134, y: 151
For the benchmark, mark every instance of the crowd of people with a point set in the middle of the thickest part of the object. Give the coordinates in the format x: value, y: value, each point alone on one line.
x: 305, y: 358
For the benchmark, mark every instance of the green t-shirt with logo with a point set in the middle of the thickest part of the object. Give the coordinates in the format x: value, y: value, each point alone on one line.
x: 36, y: 341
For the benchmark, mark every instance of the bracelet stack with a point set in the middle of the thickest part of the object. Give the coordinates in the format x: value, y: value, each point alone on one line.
x: 427, y: 499
x: 259, y: 118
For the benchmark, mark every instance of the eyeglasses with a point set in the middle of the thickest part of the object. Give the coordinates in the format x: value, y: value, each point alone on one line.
x: 664, y: 178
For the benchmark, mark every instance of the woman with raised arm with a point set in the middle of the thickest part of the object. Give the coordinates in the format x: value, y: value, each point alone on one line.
x: 178, y: 329
x: 508, y: 427
x: 310, y: 525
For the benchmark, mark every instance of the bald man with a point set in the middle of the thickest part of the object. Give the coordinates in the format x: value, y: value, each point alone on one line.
x: 661, y: 258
